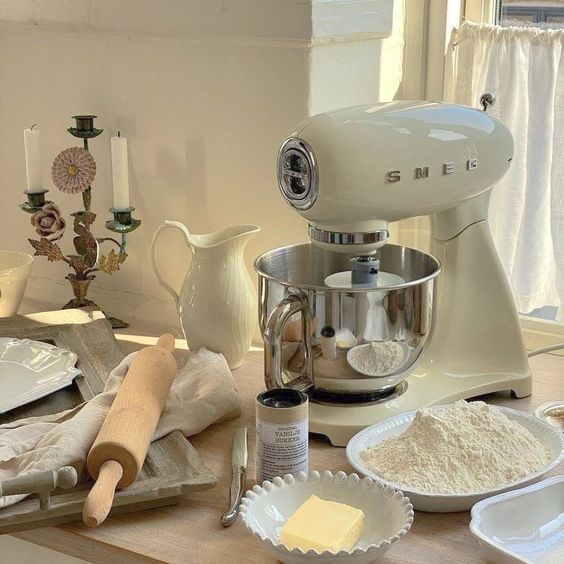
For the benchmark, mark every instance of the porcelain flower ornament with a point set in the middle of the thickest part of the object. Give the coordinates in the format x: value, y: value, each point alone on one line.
x: 48, y: 222
x: 73, y: 170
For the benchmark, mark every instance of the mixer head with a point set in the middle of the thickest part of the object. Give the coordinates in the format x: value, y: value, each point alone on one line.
x: 350, y: 172
x: 298, y: 180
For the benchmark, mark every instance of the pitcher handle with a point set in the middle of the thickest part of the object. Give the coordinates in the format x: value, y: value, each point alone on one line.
x: 273, y: 343
x: 186, y: 233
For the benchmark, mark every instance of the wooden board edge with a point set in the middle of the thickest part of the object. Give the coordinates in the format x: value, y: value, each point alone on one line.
x: 86, y: 548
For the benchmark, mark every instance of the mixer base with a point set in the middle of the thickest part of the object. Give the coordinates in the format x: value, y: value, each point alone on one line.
x: 340, y: 422
x: 339, y: 398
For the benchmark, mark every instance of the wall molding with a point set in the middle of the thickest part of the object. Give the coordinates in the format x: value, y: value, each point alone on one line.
x: 290, y: 23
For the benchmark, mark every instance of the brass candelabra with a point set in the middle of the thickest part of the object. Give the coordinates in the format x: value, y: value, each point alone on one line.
x: 73, y: 172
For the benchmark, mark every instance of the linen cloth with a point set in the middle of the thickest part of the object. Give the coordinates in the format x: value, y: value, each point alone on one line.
x: 202, y: 393
x: 524, y: 67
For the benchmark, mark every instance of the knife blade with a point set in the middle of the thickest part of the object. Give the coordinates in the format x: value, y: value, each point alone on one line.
x: 239, y: 456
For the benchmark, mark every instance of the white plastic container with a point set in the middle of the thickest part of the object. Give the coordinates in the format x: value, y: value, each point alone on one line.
x: 524, y: 525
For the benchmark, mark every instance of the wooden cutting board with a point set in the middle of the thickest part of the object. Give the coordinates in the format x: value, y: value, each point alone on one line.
x: 172, y: 468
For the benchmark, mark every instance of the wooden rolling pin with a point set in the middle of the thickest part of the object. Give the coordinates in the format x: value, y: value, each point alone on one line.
x: 117, y: 455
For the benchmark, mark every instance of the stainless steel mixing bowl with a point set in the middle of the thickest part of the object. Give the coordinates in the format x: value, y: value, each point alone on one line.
x: 311, y: 316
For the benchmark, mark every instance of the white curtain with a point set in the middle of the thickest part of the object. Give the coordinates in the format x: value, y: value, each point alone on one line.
x: 524, y: 67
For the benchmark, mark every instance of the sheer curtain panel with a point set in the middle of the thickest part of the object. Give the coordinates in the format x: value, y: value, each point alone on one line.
x: 524, y: 67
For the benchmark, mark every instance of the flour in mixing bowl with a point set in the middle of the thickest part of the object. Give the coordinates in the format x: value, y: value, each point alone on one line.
x: 377, y: 358
x: 463, y: 448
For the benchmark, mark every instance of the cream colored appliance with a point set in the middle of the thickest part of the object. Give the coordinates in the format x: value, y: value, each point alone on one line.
x: 436, y: 327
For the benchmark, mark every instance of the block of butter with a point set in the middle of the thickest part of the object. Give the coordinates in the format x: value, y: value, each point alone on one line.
x: 323, y: 525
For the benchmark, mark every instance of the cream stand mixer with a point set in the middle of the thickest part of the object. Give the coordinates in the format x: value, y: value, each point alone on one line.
x: 350, y: 173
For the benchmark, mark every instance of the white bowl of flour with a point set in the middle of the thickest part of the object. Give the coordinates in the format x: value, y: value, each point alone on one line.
x: 447, y: 463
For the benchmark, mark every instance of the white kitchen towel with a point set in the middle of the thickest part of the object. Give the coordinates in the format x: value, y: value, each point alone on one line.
x: 202, y: 393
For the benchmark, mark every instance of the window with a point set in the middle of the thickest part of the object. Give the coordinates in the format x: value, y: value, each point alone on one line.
x: 549, y: 13
x: 531, y: 12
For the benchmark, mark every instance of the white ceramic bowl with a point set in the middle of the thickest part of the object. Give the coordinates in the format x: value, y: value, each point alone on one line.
x: 388, y: 513
x: 544, y: 410
x: 14, y: 271
x: 525, y: 525
x: 548, y: 435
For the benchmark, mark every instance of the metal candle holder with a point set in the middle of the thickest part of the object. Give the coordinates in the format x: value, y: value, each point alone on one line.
x: 35, y: 201
x: 123, y: 224
x: 88, y: 258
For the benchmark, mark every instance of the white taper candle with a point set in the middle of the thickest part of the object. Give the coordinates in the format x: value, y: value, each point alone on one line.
x: 120, y: 172
x: 33, y: 160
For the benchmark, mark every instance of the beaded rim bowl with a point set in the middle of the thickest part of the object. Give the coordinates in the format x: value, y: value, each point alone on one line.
x: 388, y: 513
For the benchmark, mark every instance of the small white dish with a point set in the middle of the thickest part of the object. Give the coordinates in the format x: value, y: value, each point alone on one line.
x: 525, y: 525
x: 548, y: 435
x: 388, y: 513
x: 30, y: 370
x: 548, y: 412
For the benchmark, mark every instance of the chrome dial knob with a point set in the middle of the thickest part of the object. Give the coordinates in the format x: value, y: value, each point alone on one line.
x: 297, y: 173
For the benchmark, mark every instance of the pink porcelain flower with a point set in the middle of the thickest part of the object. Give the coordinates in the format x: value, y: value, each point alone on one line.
x: 48, y: 222
x: 73, y: 170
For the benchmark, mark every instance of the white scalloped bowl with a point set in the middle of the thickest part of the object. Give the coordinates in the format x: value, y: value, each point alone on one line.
x: 388, y: 513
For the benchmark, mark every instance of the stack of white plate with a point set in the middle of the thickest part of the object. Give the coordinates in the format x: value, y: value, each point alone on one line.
x: 30, y: 370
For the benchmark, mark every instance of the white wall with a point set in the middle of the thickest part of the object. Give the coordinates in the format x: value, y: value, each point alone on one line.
x: 204, y: 107
x: 359, y: 71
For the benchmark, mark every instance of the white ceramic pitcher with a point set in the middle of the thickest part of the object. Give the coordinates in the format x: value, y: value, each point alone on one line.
x: 217, y: 304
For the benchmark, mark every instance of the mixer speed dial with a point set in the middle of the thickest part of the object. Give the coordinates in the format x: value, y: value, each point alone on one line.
x: 297, y: 173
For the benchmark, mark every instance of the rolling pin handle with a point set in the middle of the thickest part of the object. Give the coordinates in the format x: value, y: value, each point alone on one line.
x: 101, y: 496
x: 166, y: 342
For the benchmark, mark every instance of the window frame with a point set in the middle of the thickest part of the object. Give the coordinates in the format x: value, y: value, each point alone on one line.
x: 481, y: 11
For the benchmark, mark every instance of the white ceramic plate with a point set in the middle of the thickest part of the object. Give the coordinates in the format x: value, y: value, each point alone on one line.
x: 30, y: 370
x: 388, y: 513
x: 448, y: 503
x: 525, y: 525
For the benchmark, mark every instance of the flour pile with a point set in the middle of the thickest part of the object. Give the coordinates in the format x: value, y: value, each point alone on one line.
x: 555, y: 556
x: 377, y: 357
x: 464, y: 448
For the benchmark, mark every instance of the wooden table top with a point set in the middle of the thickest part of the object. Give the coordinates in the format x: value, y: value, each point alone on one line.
x: 191, y: 531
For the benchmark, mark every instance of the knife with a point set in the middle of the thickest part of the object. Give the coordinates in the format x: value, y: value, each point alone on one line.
x: 238, y: 469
